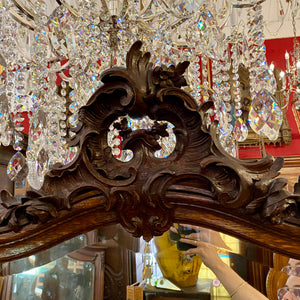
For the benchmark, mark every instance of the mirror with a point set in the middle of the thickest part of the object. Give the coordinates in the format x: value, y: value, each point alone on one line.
x: 161, y: 257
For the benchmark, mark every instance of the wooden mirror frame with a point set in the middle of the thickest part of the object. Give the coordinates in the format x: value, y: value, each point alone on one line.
x: 198, y: 183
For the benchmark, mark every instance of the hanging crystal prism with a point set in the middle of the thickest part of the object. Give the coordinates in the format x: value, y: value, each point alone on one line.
x: 240, y: 130
x: 37, y: 169
x: 265, y: 115
x: 7, y: 132
x: 17, y: 168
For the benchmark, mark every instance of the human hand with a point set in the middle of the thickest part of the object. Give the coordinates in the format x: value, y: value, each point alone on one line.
x: 207, y: 252
x: 202, y: 234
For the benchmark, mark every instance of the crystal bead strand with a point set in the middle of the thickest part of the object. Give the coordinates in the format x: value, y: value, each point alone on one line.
x: 36, y: 142
x: 223, y: 105
x: 205, y: 78
x: 240, y: 128
x: 265, y: 115
x: 227, y: 137
x: 10, y: 53
x: 6, y: 124
x: 260, y: 78
x: 21, y: 106
x: 194, y: 79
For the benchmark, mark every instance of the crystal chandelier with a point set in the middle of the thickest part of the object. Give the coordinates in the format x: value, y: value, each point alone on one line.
x: 292, y: 74
x: 52, y: 54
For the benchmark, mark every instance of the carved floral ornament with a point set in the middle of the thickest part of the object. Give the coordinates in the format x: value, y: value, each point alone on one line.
x: 198, y: 182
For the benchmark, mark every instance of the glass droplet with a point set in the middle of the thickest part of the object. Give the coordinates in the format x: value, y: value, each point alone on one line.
x: 265, y: 115
x: 17, y: 168
x: 240, y: 130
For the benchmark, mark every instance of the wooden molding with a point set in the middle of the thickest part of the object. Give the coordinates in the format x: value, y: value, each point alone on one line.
x: 198, y: 183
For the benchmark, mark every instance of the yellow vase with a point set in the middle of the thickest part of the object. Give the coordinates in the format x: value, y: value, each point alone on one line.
x: 181, y: 269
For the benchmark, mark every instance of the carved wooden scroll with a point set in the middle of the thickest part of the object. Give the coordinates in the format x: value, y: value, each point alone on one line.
x: 197, y: 183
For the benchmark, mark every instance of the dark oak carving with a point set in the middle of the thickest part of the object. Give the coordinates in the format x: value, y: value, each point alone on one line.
x: 198, y: 183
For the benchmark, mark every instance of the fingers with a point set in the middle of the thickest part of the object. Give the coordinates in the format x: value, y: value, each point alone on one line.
x: 193, y: 236
x: 172, y: 228
x: 190, y: 241
x: 194, y: 227
x: 198, y: 244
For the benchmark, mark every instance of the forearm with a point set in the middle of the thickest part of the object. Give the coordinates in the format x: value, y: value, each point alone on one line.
x: 234, y: 284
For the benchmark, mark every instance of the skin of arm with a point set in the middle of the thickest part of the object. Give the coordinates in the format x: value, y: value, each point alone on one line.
x: 227, y: 276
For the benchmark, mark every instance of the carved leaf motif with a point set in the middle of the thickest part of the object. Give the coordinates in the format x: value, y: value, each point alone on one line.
x: 16, y: 214
x: 170, y: 76
x: 145, y: 193
x: 8, y: 200
x: 39, y: 211
x: 276, y: 204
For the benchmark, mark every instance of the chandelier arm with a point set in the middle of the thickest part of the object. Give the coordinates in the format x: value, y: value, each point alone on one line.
x: 28, y: 12
x: 274, y: 33
x: 144, y: 9
x: 238, y: 5
x: 227, y: 17
x: 23, y: 21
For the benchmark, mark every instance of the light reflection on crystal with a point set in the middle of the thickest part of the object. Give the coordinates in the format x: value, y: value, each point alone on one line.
x: 72, y: 153
x: 240, y: 130
x: 7, y: 133
x: 265, y: 115
x: 33, y: 179
x: 114, y: 140
x: 18, y: 141
x: 17, y: 167
x: 78, y: 39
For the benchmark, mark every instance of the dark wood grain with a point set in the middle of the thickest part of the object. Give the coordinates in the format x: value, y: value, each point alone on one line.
x: 198, y: 183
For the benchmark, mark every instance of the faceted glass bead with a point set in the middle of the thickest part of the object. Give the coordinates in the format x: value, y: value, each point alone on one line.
x: 17, y: 168
x: 18, y: 140
x: 7, y: 133
x: 265, y: 80
x: 240, y: 130
x: 42, y: 162
x: 33, y: 179
x: 71, y: 154
x: 114, y: 140
x: 37, y: 169
x: 265, y: 115
x: 186, y: 7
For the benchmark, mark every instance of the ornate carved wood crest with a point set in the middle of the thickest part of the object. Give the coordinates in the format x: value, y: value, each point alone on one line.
x: 197, y: 182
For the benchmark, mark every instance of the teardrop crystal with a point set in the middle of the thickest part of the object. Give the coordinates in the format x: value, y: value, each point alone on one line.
x: 265, y: 115
x: 240, y: 130
x: 17, y: 168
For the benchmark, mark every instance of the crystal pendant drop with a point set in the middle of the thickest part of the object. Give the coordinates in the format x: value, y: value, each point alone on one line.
x: 71, y: 154
x: 17, y: 168
x: 265, y: 115
x: 33, y: 180
x: 240, y: 130
x: 18, y: 141
x: 42, y: 163
x: 187, y: 7
x: 38, y: 169
x: 36, y: 131
x: 7, y: 134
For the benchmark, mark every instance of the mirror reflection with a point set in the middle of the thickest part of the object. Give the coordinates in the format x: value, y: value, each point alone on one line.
x: 186, y: 262
x: 63, y: 278
x: 199, y: 263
